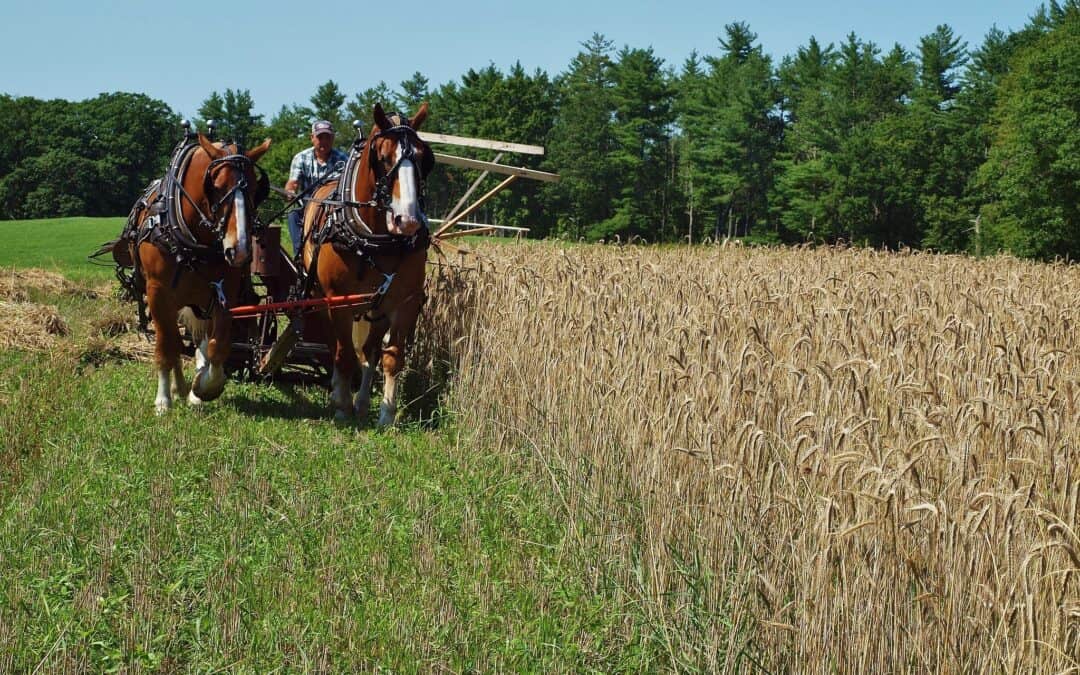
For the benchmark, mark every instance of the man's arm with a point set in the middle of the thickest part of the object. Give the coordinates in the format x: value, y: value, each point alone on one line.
x: 293, y: 184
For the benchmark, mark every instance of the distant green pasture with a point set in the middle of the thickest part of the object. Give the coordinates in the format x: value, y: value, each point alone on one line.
x: 58, y: 245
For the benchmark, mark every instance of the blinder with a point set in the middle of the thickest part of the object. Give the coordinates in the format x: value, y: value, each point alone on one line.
x: 262, y: 187
x: 427, y: 164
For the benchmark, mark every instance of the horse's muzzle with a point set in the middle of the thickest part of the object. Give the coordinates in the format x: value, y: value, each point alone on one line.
x: 235, y: 256
x: 404, y: 225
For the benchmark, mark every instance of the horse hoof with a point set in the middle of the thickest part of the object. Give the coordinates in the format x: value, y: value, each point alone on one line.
x: 387, y: 419
x: 200, y: 391
x: 161, y: 407
x: 192, y: 399
x: 341, y: 416
x: 205, y: 396
x: 361, y: 412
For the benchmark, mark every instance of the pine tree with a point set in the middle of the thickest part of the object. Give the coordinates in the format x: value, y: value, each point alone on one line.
x: 232, y: 114
x: 583, y: 139
x: 414, y: 91
x: 211, y: 110
x: 740, y: 128
x: 691, y: 110
x: 641, y: 98
x: 941, y: 55
x: 327, y: 104
x: 516, y: 107
x: 806, y: 173
x: 938, y: 164
x: 1032, y: 175
x: 362, y: 105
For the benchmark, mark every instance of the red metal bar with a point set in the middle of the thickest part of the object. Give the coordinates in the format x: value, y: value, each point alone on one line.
x: 317, y: 303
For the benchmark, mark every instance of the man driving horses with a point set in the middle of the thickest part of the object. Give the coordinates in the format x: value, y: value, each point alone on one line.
x: 308, y: 168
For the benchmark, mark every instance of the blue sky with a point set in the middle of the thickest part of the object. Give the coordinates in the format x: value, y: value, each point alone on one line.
x: 181, y: 51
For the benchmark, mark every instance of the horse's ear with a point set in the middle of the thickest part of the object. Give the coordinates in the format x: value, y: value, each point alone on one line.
x: 419, y: 117
x: 209, y: 148
x: 380, y: 118
x: 258, y: 151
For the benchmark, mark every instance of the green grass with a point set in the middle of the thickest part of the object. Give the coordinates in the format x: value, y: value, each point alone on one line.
x: 255, y: 535
x: 58, y: 245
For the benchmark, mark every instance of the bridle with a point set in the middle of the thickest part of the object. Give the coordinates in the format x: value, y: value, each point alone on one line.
x: 407, y: 139
x: 240, y: 163
x: 216, y: 222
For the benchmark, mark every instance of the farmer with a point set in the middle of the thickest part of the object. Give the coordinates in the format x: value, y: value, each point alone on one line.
x: 308, y: 168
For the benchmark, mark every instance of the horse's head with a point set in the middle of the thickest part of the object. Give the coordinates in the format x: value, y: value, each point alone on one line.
x: 400, y: 162
x: 233, y: 187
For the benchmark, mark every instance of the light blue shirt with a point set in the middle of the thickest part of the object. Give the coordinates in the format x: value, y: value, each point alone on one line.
x: 306, y: 169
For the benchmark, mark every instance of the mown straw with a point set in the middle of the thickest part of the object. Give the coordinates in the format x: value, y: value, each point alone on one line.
x: 29, y: 326
x: 18, y: 284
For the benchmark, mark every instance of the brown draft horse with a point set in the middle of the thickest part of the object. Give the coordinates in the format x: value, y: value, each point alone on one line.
x: 374, y: 240
x: 193, y: 250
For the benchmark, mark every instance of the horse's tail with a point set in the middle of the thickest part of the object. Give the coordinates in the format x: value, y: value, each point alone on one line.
x: 197, y: 328
x: 107, y: 247
x: 119, y: 249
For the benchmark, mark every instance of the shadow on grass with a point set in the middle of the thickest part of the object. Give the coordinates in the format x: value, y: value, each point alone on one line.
x: 291, y: 402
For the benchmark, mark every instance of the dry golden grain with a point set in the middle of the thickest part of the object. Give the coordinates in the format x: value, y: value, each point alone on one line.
x: 887, y: 446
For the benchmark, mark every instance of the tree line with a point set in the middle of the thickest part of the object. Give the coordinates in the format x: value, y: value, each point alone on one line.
x: 949, y: 148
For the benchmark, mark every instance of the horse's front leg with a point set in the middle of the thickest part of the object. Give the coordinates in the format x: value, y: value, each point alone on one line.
x: 210, y: 357
x: 393, y: 361
x: 344, y: 363
x: 402, y: 325
x: 179, y: 387
x: 367, y: 338
x: 166, y: 345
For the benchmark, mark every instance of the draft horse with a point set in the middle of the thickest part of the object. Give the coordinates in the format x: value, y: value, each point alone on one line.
x: 190, y: 243
x: 367, y: 233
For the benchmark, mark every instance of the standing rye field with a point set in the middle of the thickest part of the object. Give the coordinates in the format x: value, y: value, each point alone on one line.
x: 813, y: 460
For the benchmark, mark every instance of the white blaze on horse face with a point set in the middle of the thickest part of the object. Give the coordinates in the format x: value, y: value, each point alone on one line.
x: 239, y: 242
x: 405, y: 216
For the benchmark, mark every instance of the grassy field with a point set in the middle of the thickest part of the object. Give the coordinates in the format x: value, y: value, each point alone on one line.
x: 255, y: 535
x: 58, y: 245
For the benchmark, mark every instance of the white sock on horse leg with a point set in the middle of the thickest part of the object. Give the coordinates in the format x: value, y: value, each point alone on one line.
x: 164, y: 396
x: 388, y: 407
x: 363, y: 397
x: 340, y: 394
x: 202, y: 354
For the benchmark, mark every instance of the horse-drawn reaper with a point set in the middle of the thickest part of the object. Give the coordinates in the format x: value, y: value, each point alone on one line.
x: 194, y: 248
